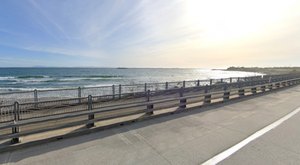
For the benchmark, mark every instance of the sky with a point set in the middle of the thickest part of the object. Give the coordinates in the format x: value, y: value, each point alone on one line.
x: 149, y: 33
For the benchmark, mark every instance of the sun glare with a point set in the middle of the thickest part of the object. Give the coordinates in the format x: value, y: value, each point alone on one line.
x: 221, y: 20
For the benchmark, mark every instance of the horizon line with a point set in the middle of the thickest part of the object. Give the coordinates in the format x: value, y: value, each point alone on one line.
x: 87, y: 67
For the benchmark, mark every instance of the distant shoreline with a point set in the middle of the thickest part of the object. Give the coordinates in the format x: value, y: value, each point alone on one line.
x: 54, y: 67
x: 267, y: 70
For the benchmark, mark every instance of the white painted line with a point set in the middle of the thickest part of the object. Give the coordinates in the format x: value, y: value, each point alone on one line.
x: 225, y: 154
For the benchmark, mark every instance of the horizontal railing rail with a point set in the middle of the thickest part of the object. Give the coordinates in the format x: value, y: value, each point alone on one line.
x: 37, y: 117
x: 117, y: 91
x: 37, y: 105
x: 30, y: 107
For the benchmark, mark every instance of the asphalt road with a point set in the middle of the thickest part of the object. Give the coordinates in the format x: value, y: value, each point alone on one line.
x: 278, y: 146
x: 186, y: 138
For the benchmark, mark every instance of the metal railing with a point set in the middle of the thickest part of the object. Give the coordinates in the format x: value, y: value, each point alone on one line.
x: 33, y: 109
x: 115, y: 90
x: 97, y: 108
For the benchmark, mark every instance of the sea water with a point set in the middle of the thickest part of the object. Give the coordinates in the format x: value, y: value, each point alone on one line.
x: 16, y: 79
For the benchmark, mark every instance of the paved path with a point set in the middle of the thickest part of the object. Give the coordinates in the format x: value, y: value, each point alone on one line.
x: 186, y: 138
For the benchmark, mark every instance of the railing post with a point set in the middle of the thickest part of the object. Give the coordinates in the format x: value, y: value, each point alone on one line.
x: 239, y: 83
x: 120, y: 91
x: 241, y: 92
x: 263, y: 88
x: 226, y: 93
x: 114, y: 91
x: 150, y: 107
x: 79, y: 95
x: 210, y: 82
x: 270, y: 87
x: 167, y: 85
x: 206, y: 89
x: 183, y: 84
x: 181, y: 92
x: 182, y: 101
x: 16, y: 129
x: 207, y: 99
x: 270, y: 79
x: 277, y: 85
x: 198, y: 82
x: 253, y: 90
x: 148, y: 96
x: 35, y: 93
x: 91, y: 115
x: 230, y: 80
x: 145, y: 88
x: 221, y: 80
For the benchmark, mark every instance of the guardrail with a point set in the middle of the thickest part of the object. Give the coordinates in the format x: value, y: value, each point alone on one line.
x: 37, y: 117
x: 29, y: 109
x: 115, y: 90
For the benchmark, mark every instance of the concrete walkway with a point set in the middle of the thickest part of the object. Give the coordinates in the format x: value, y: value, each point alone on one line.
x: 186, y: 138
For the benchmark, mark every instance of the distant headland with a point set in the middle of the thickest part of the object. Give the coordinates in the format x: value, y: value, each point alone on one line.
x: 267, y: 70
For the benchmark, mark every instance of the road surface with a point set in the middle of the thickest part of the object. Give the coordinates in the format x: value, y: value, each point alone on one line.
x: 185, y: 138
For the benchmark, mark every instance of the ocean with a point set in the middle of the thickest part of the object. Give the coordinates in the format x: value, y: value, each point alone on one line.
x: 22, y: 79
